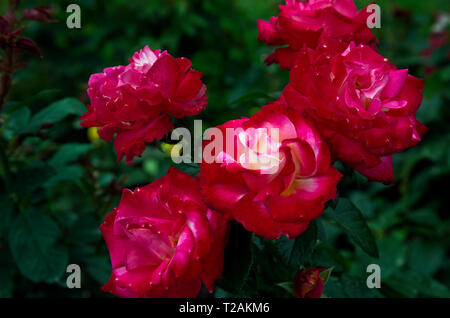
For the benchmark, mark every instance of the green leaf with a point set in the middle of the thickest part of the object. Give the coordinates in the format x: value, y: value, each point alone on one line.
x: 55, y: 112
x: 287, y: 286
x: 17, y: 122
x: 69, y: 152
x: 297, y: 252
x: 425, y: 257
x: 65, y: 173
x: 424, y: 216
x: 99, y: 268
x: 334, y: 289
x: 32, y: 177
x: 325, y: 274
x: 192, y: 169
x: 393, y: 255
x: 327, y: 256
x: 31, y: 241
x: 66, y: 154
x: 220, y: 293
x: 238, y: 260
x: 413, y: 284
x: 364, y: 202
x: 41, y: 95
x: 350, y: 218
x: 268, y: 269
x: 85, y: 230
x: 434, y: 289
x: 355, y: 287
x: 322, y: 235
x: 430, y: 109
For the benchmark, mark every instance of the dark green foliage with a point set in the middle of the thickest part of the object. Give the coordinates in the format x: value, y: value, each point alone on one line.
x: 239, y: 260
x: 297, y: 252
x: 32, y: 243
x: 348, y: 216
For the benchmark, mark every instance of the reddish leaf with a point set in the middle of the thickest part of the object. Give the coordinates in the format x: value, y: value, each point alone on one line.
x: 41, y: 14
x: 10, y: 17
x: 4, y: 26
x: 28, y: 45
x: 17, y: 32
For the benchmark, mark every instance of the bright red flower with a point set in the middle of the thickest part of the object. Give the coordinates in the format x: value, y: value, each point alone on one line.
x: 286, y: 188
x: 163, y: 240
x: 309, y: 23
x: 135, y: 102
x: 308, y: 283
x: 363, y: 106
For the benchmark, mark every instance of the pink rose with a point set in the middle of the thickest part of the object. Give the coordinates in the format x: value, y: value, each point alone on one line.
x: 363, y: 106
x: 163, y: 240
x: 281, y: 194
x: 135, y: 102
x: 309, y: 23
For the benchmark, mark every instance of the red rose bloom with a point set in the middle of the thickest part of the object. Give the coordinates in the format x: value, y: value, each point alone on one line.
x: 308, y: 283
x: 281, y: 194
x: 135, y: 102
x: 303, y: 24
x: 363, y: 106
x: 163, y: 240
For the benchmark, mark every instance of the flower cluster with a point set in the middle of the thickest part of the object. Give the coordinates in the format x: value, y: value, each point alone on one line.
x: 344, y: 102
x: 308, y: 24
x: 364, y: 107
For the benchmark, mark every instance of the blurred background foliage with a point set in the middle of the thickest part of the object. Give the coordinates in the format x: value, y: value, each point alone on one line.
x: 64, y: 180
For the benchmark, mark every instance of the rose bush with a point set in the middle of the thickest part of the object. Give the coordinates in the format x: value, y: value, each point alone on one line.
x: 135, y: 102
x: 281, y: 194
x: 163, y: 241
x: 363, y: 106
x: 58, y: 182
x: 306, y: 24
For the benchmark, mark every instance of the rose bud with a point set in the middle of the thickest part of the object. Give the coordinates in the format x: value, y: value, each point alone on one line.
x: 308, y: 283
x: 280, y: 179
x: 303, y: 24
x: 135, y: 102
x: 364, y: 107
x: 163, y: 240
